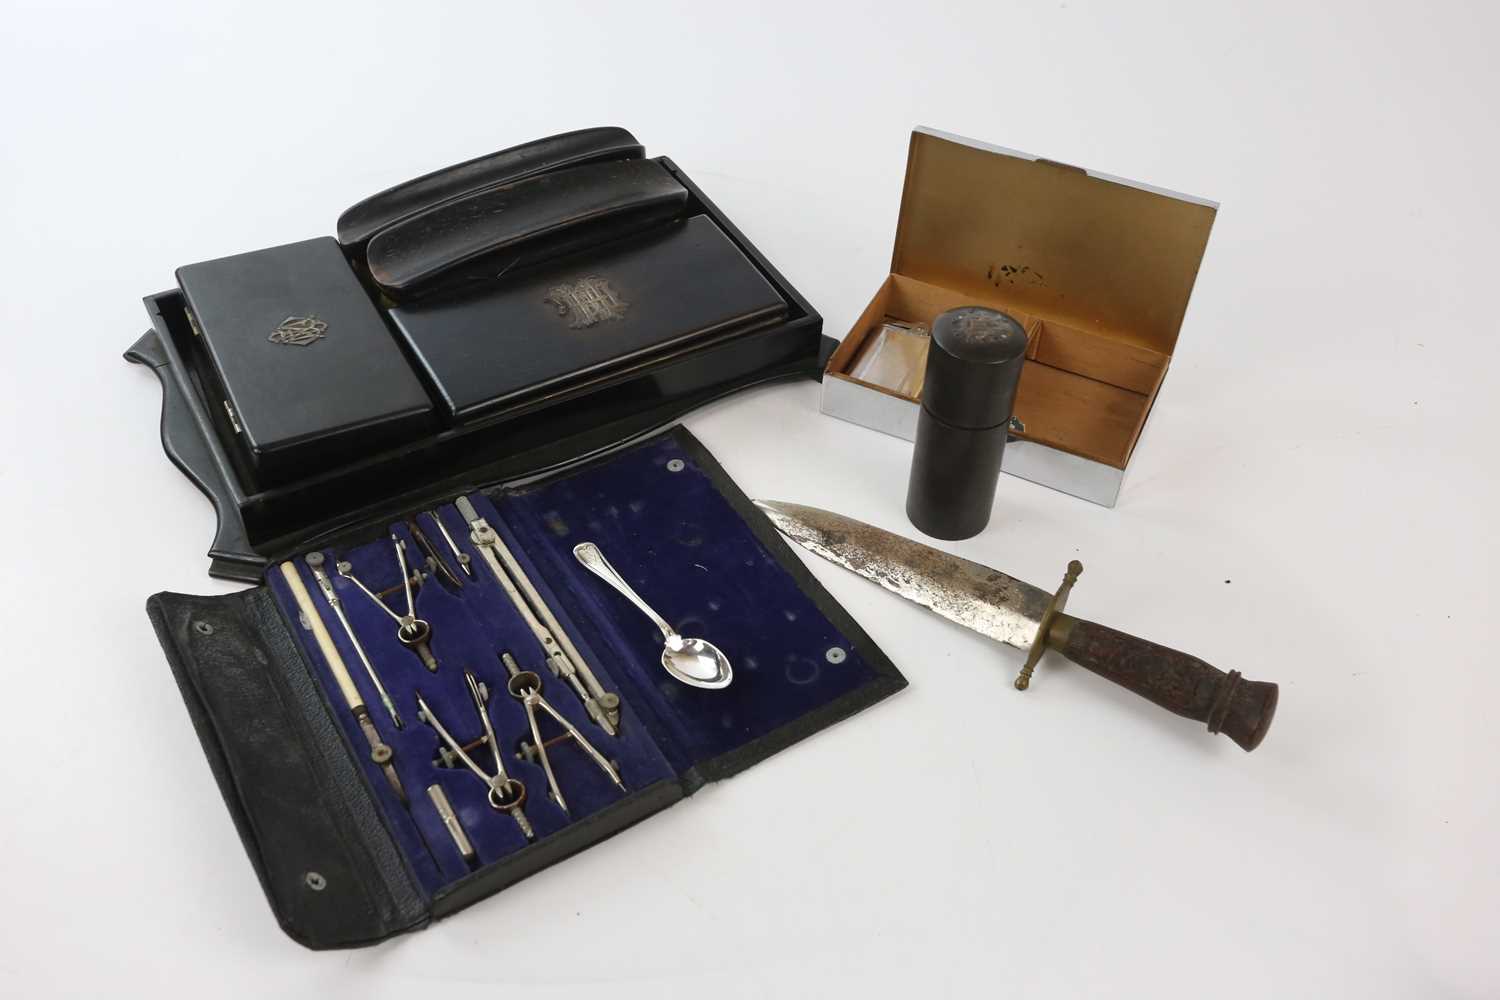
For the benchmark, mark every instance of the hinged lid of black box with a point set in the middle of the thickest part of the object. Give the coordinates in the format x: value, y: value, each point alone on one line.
x: 304, y: 360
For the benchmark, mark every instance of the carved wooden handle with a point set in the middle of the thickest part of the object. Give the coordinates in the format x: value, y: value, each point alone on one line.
x: 1182, y: 684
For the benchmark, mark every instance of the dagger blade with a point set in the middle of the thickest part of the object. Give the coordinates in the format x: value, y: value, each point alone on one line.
x: 977, y: 597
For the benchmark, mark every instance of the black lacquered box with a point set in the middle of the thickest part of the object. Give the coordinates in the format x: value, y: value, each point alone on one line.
x: 497, y: 366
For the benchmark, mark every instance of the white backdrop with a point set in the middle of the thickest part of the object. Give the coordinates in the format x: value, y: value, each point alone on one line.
x: 1325, y: 442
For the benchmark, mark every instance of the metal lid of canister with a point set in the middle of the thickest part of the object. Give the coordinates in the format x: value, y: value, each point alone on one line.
x: 973, y: 365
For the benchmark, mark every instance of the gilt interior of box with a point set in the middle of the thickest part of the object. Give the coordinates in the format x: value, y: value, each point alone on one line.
x: 1081, y: 392
x: 1097, y: 269
x: 661, y: 520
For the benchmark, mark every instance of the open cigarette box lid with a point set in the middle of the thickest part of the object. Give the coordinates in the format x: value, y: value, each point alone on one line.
x: 1098, y: 270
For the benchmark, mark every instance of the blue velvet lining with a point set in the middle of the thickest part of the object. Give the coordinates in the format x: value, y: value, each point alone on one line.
x: 677, y: 540
x: 684, y: 548
x: 469, y: 629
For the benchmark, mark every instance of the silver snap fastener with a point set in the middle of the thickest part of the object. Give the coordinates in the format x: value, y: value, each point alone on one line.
x: 676, y: 465
x: 835, y: 655
x: 315, y: 881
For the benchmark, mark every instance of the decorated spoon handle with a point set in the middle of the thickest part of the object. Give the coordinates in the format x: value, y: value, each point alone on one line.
x: 593, y: 560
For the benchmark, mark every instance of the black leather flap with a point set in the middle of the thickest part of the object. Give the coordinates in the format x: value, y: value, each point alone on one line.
x: 318, y: 843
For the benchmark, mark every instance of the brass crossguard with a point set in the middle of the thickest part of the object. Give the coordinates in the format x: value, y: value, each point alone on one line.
x: 1054, y: 608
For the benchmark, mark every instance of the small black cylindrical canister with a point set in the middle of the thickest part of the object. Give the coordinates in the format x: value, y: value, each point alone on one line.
x: 973, y: 365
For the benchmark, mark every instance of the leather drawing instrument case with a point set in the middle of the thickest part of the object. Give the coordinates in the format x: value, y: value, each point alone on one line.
x: 342, y: 861
x: 495, y: 318
x: 484, y: 389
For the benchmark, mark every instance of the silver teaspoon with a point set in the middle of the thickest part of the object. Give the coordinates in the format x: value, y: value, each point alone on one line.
x: 695, y: 662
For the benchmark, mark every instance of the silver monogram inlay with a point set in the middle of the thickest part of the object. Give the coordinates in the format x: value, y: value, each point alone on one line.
x: 586, y: 301
x: 299, y: 331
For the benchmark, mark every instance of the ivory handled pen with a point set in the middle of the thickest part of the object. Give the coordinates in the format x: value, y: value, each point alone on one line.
x: 380, y: 751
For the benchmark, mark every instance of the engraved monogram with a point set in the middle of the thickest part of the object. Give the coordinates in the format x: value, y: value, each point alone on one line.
x: 299, y: 331
x: 586, y: 301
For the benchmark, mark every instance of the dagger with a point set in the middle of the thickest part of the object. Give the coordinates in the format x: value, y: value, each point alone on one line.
x: 1032, y: 620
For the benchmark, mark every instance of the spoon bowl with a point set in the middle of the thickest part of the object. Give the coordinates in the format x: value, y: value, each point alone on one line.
x: 698, y: 663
